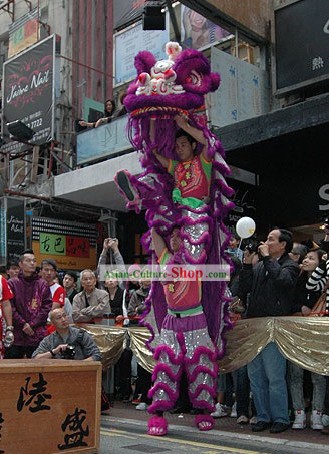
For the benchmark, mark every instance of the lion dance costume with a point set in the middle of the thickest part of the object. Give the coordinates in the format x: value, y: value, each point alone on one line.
x: 189, y: 339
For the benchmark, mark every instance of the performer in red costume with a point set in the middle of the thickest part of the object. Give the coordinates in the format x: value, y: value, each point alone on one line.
x: 184, y: 344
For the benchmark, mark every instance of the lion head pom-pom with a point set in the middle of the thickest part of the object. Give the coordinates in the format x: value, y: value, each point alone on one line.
x: 173, y: 50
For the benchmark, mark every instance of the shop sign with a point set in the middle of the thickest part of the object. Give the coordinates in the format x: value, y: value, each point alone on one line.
x: 24, y: 32
x: 71, y: 244
x: 324, y: 196
x: 15, y: 227
x: 301, y: 43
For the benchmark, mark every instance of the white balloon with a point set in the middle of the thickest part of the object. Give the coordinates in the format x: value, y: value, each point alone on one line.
x: 245, y: 227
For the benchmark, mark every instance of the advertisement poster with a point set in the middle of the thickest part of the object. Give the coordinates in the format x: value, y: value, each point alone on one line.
x: 28, y: 90
x: 132, y: 40
x: 199, y: 32
x: 15, y: 222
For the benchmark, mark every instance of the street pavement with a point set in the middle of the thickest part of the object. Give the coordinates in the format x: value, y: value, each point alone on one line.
x: 123, y: 430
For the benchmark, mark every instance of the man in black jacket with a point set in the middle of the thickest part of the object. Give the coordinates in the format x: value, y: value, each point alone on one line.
x: 271, y: 284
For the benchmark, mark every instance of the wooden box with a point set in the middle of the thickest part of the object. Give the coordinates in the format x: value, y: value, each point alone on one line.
x: 49, y: 406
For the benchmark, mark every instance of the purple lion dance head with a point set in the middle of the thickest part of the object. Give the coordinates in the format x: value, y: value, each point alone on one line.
x: 165, y: 88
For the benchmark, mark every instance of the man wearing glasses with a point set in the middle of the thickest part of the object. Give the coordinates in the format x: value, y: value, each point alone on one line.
x: 30, y: 306
x: 67, y: 342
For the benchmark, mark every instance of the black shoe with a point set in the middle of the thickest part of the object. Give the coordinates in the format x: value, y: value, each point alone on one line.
x: 122, y: 180
x: 260, y: 426
x: 278, y: 427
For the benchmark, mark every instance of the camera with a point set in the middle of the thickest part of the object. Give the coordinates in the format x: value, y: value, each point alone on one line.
x: 68, y: 353
x: 252, y: 246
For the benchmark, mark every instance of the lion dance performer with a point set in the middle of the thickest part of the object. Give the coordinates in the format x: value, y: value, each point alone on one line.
x: 184, y: 191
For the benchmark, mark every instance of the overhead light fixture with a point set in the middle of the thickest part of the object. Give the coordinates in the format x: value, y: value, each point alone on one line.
x: 20, y: 131
x: 153, y: 16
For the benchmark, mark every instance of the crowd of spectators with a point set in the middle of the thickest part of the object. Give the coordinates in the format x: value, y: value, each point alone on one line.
x: 279, y: 278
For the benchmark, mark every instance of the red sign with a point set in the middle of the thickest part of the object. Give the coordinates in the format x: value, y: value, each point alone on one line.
x: 77, y: 247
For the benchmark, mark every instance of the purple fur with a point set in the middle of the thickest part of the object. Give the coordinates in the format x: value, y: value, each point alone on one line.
x: 161, y: 367
x: 171, y: 354
x: 160, y: 311
x: 202, y: 404
x: 144, y: 61
x: 161, y: 405
x: 199, y: 419
x: 202, y: 369
x: 188, y: 221
x: 185, y: 103
x: 202, y: 387
x: 202, y: 239
x: 173, y: 396
x: 191, y: 60
x: 157, y: 422
x: 202, y: 350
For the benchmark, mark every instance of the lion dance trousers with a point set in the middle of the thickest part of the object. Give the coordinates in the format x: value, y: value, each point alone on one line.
x: 184, y: 345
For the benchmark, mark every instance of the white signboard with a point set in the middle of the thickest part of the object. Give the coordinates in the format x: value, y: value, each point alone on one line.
x: 131, y: 41
x: 243, y: 92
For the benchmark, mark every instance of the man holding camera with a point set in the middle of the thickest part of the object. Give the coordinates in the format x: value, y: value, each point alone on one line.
x: 67, y: 342
x: 271, y: 284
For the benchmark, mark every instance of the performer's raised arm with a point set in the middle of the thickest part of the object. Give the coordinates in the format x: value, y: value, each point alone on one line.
x: 163, y: 161
x: 197, y: 134
x: 158, y: 243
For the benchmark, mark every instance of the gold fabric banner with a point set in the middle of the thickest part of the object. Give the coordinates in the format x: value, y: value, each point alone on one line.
x: 109, y: 340
x: 138, y: 338
x: 302, y: 340
x: 112, y: 340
